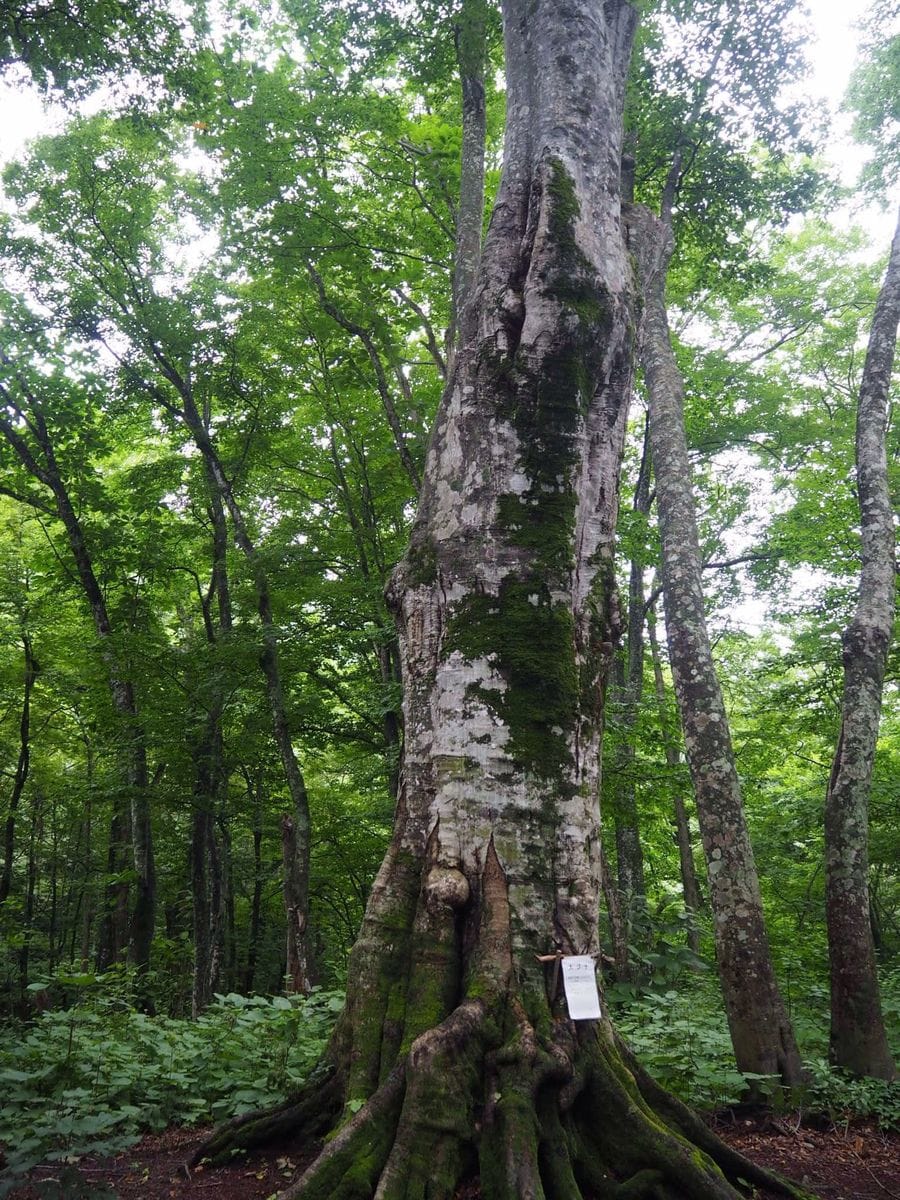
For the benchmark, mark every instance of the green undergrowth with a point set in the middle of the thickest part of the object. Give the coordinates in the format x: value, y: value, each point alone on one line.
x: 94, y: 1077
x: 681, y: 1036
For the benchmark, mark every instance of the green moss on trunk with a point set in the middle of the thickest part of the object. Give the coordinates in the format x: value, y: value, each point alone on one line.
x: 531, y: 639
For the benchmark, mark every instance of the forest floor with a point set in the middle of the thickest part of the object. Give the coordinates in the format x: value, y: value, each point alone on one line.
x: 847, y: 1162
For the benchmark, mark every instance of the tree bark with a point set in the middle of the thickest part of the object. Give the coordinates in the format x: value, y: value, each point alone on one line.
x: 31, y: 880
x: 858, y: 1039
x: 454, y: 1056
x: 113, y: 938
x: 269, y: 658
x: 761, y: 1032
x: 42, y: 465
x: 256, y: 788
x: 206, y: 866
x: 210, y: 781
x: 693, y: 900
x: 471, y: 55
x: 298, y: 972
x: 20, y: 775
x: 629, y: 689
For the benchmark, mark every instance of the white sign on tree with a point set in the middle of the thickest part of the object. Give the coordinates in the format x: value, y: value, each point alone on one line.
x: 580, y: 983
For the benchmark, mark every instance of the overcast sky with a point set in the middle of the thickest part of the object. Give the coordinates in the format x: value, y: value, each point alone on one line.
x: 832, y: 50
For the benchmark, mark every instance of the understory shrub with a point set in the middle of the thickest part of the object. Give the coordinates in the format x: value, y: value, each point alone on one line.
x: 95, y: 1076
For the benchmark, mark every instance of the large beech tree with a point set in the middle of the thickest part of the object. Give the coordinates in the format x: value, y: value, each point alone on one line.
x: 455, y: 1055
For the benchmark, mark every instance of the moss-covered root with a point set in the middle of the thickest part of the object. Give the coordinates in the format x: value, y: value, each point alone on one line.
x: 350, y: 1165
x: 308, y: 1114
x: 735, y: 1167
x: 434, y: 1148
x: 415, y: 1135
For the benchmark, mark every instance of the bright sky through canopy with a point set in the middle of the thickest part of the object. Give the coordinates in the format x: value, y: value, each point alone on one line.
x: 832, y: 52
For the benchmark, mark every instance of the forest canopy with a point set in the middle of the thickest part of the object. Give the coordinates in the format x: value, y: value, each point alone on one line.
x: 465, y: 437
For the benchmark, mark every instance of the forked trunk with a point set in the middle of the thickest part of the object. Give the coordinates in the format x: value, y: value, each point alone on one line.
x: 455, y: 1057
x: 858, y: 1040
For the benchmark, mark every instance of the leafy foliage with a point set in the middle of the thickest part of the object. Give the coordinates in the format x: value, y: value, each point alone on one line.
x: 92, y: 1077
x: 681, y: 1036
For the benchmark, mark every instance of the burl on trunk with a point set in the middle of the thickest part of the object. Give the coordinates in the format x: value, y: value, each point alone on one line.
x: 453, y: 1059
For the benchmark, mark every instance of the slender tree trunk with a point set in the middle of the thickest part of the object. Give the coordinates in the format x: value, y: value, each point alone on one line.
x: 455, y: 1056
x: 256, y: 903
x: 31, y: 878
x: 20, y: 776
x: 113, y: 938
x: 210, y: 780
x: 269, y: 657
x: 53, y: 911
x: 229, y: 938
x: 298, y: 970
x: 136, y: 783
x: 618, y: 932
x: 42, y: 464
x: 858, y: 1040
x: 629, y: 690
x: 87, y: 894
x: 365, y: 535
x: 690, y: 888
x: 206, y: 871
x: 760, y: 1028
x: 471, y: 53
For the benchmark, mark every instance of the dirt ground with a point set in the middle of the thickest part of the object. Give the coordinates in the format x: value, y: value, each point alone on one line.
x: 854, y: 1162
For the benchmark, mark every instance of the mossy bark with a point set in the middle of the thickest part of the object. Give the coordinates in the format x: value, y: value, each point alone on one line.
x: 455, y: 1057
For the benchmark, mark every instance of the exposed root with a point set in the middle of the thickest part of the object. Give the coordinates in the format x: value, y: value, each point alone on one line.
x: 558, y: 1116
x: 349, y: 1166
x: 308, y: 1114
x: 735, y: 1166
x: 450, y: 1064
x: 434, y: 1146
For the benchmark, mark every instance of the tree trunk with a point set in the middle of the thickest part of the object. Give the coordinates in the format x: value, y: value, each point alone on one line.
x: 43, y: 466
x: 210, y: 781
x: 454, y: 1056
x: 256, y: 903
x: 229, y: 933
x: 617, y: 931
x: 471, y: 54
x: 693, y: 901
x: 206, y: 869
x: 31, y: 878
x: 298, y: 970
x: 20, y: 775
x: 113, y: 938
x: 760, y: 1028
x: 858, y: 1040
x: 136, y: 782
x: 629, y: 689
x: 269, y: 658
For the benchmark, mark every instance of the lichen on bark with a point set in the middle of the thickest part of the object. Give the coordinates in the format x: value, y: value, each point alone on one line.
x: 455, y: 1051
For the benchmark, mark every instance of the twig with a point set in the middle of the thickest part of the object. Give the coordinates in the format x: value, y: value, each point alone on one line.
x: 887, y: 1191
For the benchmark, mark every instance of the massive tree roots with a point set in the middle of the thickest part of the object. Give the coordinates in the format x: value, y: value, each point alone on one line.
x: 563, y: 1115
x: 455, y: 1060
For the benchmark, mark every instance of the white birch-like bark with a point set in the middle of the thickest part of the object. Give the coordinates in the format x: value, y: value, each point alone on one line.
x: 455, y: 1055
